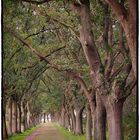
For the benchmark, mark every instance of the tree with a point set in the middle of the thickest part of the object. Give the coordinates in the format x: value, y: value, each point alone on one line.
x: 99, y: 73
x: 47, y: 52
x: 127, y: 17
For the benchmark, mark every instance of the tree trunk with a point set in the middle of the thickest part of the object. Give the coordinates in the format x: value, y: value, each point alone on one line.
x: 37, y: 120
x: 30, y: 122
x: 28, y: 115
x: 92, y: 105
x: 15, y: 116
x: 88, y: 124
x: 4, y: 128
x: 44, y: 117
x: 20, y: 114
x: 33, y: 120
x: 67, y: 121
x: 63, y: 117
x: 24, y: 118
x: 73, y: 119
x: 52, y: 117
x: 99, y: 120
x: 114, y: 118
x: 79, y: 125
x: 10, y: 117
x: 47, y: 118
x: 5, y: 135
x: 40, y: 118
x: 93, y: 59
x: 57, y: 116
x: 131, y: 41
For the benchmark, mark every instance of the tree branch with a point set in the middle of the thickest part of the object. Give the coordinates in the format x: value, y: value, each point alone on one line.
x: 133, y: 8
x: 15, y: 53
x: 80, y: 81
x: 67, y: 26
x: 118, y: 9
x: 34, y: 51
x: 36, y: 2
x: 55, y: 51
x: 44, y: 81
x: 41, y: 31
x: 31, y: 66
x: 116, y: 72
x: 130, y: 87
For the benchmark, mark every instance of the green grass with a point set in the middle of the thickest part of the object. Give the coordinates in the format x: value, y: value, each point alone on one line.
x: 23, y: 135
x: 129, y: 125
x: 70, y: 135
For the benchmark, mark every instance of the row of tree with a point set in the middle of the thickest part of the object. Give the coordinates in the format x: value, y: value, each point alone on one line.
x: 63, y: 56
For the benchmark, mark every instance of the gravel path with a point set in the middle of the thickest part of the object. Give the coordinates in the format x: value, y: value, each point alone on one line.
x: 46, y: 132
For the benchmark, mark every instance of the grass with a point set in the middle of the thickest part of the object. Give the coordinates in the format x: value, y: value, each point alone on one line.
x: 66, y: 133
x: 129, y: 125
x: 23, y: 135
x: 70, y: 135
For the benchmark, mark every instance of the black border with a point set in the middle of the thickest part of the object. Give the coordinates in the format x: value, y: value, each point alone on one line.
x: 137, y: 87
x: 2, y: 69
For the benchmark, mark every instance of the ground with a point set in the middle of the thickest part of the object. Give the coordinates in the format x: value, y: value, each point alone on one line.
x: 46, y: 132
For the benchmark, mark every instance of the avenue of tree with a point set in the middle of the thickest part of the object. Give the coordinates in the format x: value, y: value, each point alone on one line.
x: 71, y: 60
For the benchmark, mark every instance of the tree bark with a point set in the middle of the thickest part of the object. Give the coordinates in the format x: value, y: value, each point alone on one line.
x: 47, y: 117
x: 5, y: 135
x: 99, y: 120
x: 20, y: 115
x: 34, y: 120
x: 52, y: 117
x: 10, y: 117
x: 79, y: 125
x: 24, y: 117
x: 28, y: 115
x: 131, y: 41
x: 4, y: 129
x: 88, y: 44
x: 92, y: 57
x: 67, y: 120
x: 73, y: 119
x: 114, y: 118
x: 15, y: 117
x: 63, y: 117
x: 44, y: 117
x: 88, y: 124
x: 31, y: 120
x: 58, y: 117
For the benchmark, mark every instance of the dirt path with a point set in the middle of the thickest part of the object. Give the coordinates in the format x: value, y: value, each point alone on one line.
x: 46, y: 132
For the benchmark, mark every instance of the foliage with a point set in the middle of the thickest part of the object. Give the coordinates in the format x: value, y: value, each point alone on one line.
x: 47, y: 28
x: 129, y: 118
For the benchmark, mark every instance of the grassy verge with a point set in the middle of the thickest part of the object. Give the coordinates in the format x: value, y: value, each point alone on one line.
x: 69, y: 135
x: 23, y: 135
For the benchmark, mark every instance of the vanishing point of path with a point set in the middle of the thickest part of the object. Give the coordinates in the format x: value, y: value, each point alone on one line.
x: 46, y: 132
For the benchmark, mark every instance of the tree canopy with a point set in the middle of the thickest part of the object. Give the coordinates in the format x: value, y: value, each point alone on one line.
x: 59, y: 55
